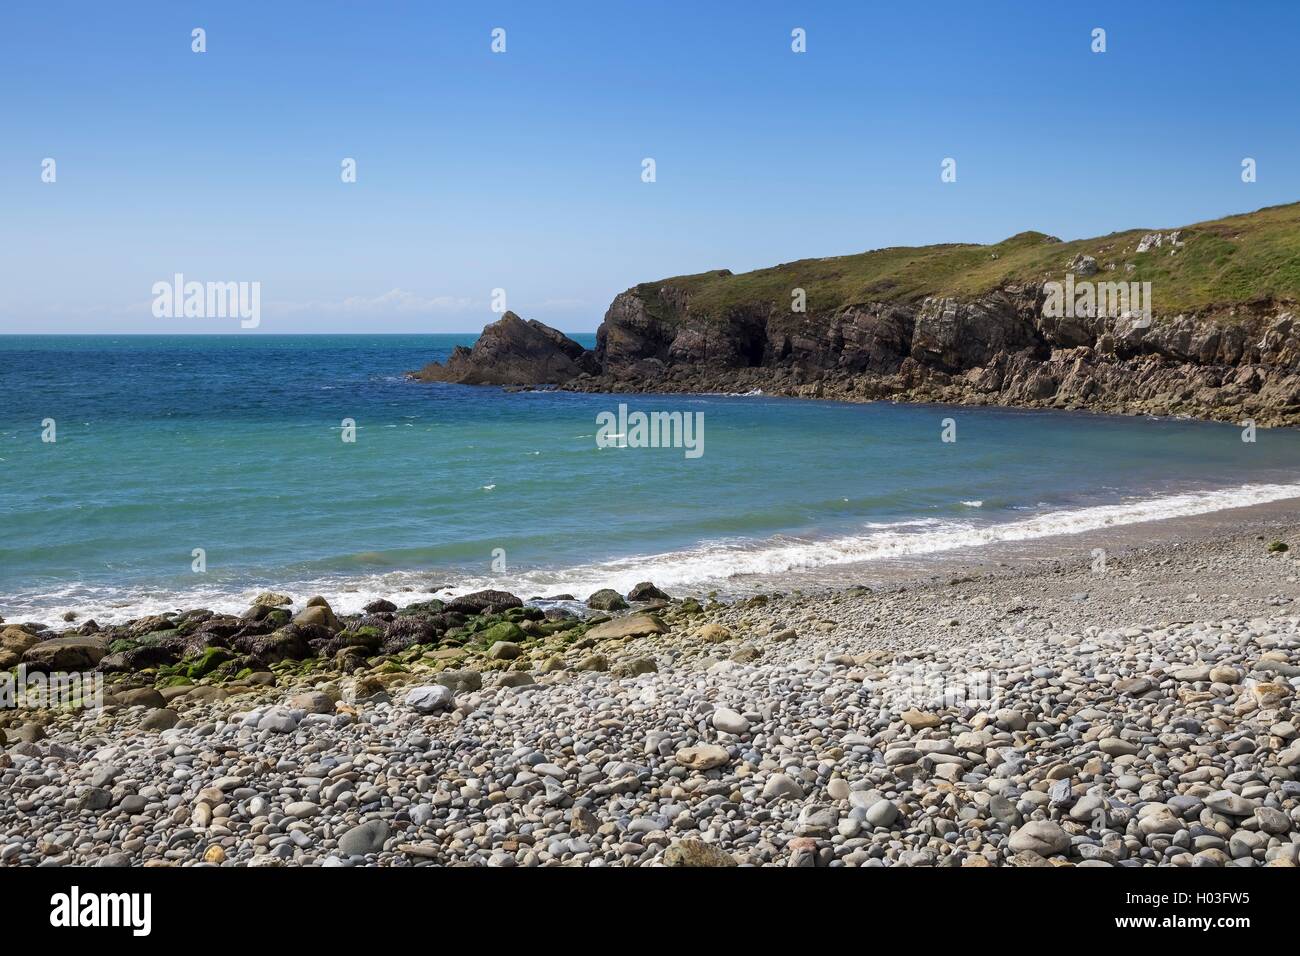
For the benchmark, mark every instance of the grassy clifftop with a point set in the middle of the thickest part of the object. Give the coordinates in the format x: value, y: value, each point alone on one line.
x: 1249, y: 258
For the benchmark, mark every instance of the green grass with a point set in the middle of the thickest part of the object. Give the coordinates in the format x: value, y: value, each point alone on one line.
x: 1250, y: 258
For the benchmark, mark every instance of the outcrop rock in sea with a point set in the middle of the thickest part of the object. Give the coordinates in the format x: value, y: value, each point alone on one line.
x: 512, y: 351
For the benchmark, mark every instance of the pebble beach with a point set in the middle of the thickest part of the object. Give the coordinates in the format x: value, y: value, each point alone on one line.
x: 1054, y: 714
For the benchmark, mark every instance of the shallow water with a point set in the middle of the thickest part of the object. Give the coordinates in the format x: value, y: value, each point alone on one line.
x: 232, y: 444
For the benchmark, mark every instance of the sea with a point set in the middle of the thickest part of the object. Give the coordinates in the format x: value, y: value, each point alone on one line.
x: 141, y: 474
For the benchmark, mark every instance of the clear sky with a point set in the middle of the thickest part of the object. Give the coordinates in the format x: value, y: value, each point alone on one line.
x: 522, y: 170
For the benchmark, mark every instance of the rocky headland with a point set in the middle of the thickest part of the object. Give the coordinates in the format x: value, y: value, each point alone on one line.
x: 963, y: 324
x: 513, y: 352
x: 1145, y: 715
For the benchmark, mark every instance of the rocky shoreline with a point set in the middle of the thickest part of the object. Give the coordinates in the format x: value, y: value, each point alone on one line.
x: 1054, y: 715
x: 1213, y: 336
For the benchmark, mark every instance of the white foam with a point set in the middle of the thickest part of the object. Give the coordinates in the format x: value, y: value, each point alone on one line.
x: 714, y: 563
x: 709, y: 564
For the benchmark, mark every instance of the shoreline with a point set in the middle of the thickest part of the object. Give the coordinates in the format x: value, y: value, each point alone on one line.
x: 1028, y: 714
x: 416, y: 585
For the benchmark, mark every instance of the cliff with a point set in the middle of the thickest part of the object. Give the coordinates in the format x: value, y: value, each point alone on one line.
x: 1209, y: 330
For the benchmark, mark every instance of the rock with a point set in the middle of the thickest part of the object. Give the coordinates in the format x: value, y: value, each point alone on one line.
x: 919, y: 720
x: 511, y: 351
x: 317, y: 615
x: 313, y: 702
x: 104, y: 775
x: 95, y: 799
x: 278, y: 720
x: 302, y: 809
x: 635, y: 667
x: 504, y: 651
x: 480, y: 601
x: 713, y: 633
x: 584, y: 821
x: 779, y: 786
x: 431, y: 699
x: 634, y: 625
x: 142, y: 697
x: 1225, y: 801
x: 1115, y: 747
x: 460, y: 681
x: 1004, y: 811
x: 515, y: 679
x: 502, y: 632
x: 595, y: 662
x: 66, y: 654
x: 883, y: 813
x: 645, y: 591
x: 380, y: 607
x: 1269, y: 693
x: 1272, y: 821
x: 1040, y: 836
x: 606, y: 599
x: 703, y: 757
x: 1135, y: 686
x: 272, y: 599
x: 16, y: 640
x: 162, y: 718
x: 205, y: 694
x: 364, y: 838
x: 730, y: 722
x: 695, y: 853
x: 1161, y: 820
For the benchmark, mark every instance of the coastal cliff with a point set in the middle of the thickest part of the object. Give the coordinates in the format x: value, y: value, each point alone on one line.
x: 1209, y: 329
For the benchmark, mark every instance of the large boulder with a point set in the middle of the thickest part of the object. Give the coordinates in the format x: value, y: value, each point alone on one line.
x: 317, y: 615
x: 606, y: 599
x: 512, y: 351
x: 288, y: 643
x: 480, y: 601
x: 634, y: 625
x: 79, y: 653
x: 646, y: 591
x: 16, y: 639
x: 431, y: 698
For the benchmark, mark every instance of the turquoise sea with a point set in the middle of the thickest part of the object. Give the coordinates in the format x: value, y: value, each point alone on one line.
x: 233, y: 445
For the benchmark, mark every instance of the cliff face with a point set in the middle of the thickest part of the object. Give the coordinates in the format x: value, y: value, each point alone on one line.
x: 998, y: 349
x: 1214, y: 334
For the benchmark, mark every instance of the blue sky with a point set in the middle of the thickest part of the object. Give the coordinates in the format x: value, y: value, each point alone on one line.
x: 522, y: 170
